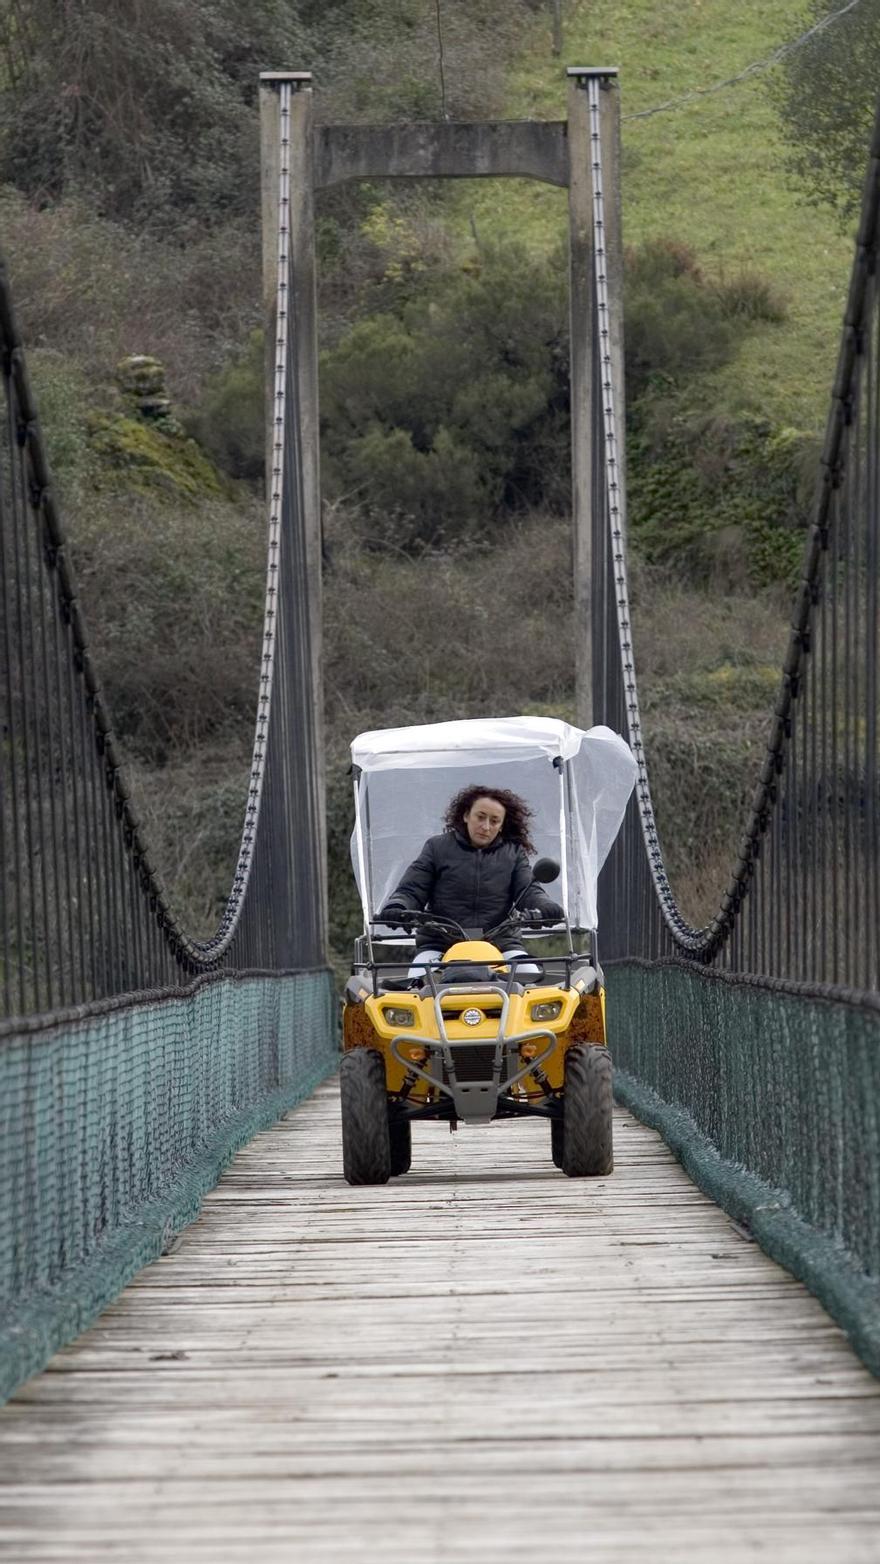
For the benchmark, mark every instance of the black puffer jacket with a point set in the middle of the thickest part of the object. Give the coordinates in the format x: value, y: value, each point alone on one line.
x: 474, y: 885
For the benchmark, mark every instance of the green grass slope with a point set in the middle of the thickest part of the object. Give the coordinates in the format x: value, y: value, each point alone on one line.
x: 710, y: 173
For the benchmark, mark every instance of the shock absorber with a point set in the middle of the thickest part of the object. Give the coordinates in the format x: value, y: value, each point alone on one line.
x: 538, y: 1075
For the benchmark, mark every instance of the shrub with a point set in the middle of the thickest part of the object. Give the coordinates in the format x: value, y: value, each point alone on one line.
x: 676, y: 326
x: 173, y: 596
x: 230, y: 419
x: 722, y: 498
x: 750, y: 297
x: 440, y: 414
x: 423, y: 497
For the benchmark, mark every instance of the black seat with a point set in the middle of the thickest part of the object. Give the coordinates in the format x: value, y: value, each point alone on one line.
x: 393, y: 982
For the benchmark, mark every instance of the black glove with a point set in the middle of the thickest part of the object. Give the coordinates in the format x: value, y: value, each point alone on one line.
x: 392, y: 913
x: 551, y: 912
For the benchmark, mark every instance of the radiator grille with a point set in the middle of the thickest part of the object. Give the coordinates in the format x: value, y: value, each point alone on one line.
x: 474, y: 1063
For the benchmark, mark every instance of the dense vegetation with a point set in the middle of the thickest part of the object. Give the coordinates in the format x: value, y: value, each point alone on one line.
x: 827, y: 97
x: 129, y: 219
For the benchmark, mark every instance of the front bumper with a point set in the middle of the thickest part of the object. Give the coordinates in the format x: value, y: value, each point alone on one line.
x: 474, y: 1075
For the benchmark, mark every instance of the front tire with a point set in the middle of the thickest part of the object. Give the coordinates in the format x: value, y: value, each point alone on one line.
x: 587, y: 1148
x: 366, y: 1141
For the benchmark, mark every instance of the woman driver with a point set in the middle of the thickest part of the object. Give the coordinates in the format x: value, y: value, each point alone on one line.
x: 474, y: 871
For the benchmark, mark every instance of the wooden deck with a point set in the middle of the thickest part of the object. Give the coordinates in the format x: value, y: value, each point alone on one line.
x: 481, y: 1362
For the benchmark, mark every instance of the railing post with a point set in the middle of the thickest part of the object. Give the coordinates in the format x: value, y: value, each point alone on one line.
x: 586, y: 412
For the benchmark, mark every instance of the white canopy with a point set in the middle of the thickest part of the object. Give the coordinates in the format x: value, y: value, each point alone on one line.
x: 482, y: 741
x: 576, y: 783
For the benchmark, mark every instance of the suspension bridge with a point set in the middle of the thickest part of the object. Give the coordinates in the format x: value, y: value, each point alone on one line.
x: 481, y: 1359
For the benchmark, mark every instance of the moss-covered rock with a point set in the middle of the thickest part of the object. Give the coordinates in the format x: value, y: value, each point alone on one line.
x: 141, y: 379
x: 138, y: 375
x: 134, y: 454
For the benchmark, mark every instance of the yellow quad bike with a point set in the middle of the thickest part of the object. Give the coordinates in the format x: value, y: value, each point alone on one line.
x: 479, y: 1038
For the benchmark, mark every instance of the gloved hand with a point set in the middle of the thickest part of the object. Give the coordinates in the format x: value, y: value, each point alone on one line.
x: 392, y: 913
x: 551, y: 912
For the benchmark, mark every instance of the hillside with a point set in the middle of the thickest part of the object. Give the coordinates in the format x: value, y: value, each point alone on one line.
x: 709, y: 173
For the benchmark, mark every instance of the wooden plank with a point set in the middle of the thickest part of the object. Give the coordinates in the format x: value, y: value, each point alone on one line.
x: 482, y: 1360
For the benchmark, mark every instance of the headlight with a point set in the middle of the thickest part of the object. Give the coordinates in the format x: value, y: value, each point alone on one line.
x: 399, y: 1017
x: 546, y: 1012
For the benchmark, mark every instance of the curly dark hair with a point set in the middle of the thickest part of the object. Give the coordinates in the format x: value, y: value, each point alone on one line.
x: 517, y: 814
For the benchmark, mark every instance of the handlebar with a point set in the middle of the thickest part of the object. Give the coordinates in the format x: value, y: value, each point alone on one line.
x: 516, y: 923
x: 513, y: 920
x: 416, y: 919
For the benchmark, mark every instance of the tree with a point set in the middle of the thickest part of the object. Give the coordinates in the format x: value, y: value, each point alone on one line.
x: 379, y: 60
x: 148, y: 108
x: 455, y: 409
x: 827, y: 97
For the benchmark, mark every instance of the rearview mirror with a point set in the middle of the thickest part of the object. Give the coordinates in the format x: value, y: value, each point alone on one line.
x: 545, y: 871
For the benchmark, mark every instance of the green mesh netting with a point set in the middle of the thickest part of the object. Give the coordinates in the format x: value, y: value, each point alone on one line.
x: 771, y: 1099
x: 113, y: 1127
